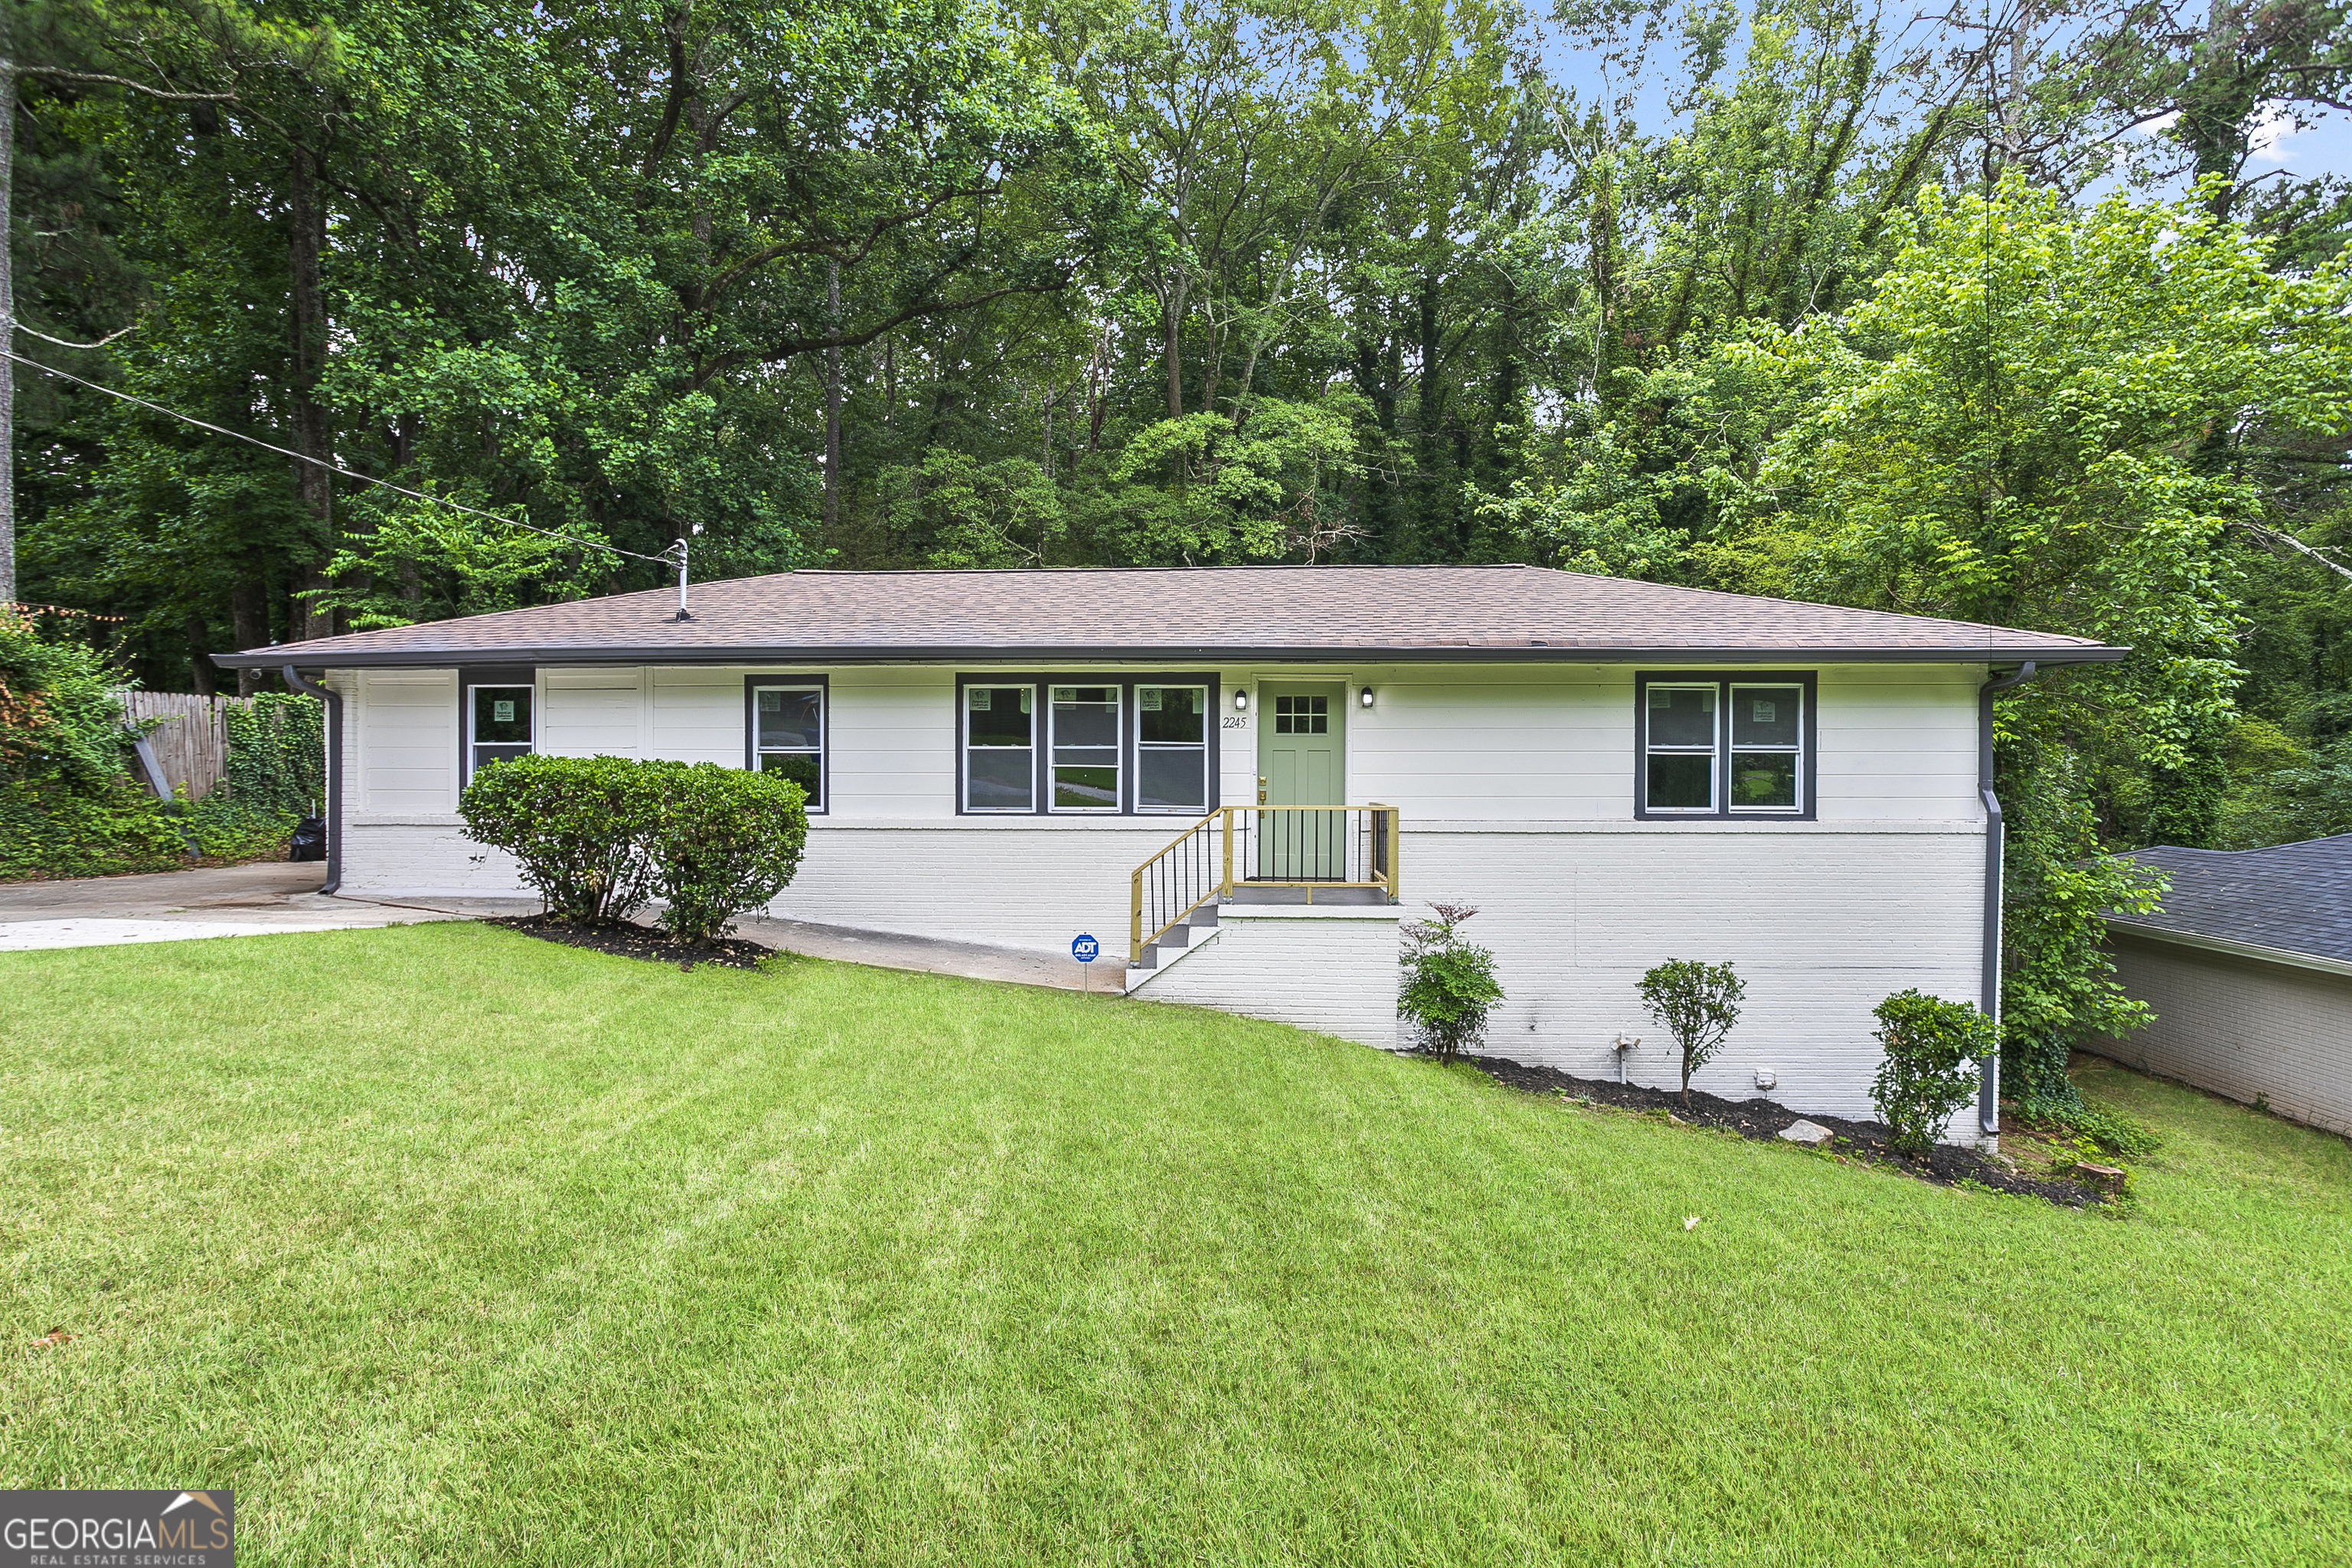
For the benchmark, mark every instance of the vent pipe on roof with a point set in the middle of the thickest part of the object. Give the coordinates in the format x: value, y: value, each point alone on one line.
x: 678, y: 548
x: 1989, y: 1073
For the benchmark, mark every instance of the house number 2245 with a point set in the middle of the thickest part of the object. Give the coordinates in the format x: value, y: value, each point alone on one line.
x: 1240, y: 723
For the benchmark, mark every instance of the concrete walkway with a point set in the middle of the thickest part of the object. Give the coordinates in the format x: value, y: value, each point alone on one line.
x: 279, y: 896
x: 262, y: 900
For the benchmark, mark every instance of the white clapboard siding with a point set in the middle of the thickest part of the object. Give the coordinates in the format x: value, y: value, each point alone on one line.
x: 405, y: 724
x: 592, y: 712
x: 893, y: 737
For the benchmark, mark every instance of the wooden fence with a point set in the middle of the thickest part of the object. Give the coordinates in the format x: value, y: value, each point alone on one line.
x: 191, y: 748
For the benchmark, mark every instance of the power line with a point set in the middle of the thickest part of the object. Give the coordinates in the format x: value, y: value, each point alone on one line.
x: 663, y: 559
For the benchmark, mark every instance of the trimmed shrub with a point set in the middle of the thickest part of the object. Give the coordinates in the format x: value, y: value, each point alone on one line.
x: 1449, y: 988
x: 577, y: 827
x: 1933, y: 1048
x: 722, y: 841
x: 1696, y: 1002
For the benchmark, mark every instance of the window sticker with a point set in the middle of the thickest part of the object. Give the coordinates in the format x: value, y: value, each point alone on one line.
x: 1765, y: 712
x: 1661, y: 697
x: 503, y: 712
x: 1148, y: 698
x: 974, y: 698
x: 1065, y: 694
x: 771, y: 702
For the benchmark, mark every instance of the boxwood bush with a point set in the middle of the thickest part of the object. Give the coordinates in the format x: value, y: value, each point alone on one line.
x: 577, y: 827
x: 599, y: 836
x: 722, y: 841
x: 1933, y: 1048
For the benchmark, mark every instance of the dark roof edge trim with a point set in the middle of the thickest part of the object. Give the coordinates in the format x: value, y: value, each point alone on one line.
x: 2233, y: 948
x: 449, y: 658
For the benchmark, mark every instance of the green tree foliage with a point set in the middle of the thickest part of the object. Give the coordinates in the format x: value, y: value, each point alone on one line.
x: 68, y: 805
x: 1696, y: 1002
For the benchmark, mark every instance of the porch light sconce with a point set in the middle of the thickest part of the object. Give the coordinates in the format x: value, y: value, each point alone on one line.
x: 1240, y: 698
x: 1366, y: 699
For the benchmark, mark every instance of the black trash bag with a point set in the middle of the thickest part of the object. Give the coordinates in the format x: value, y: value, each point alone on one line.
x: 309, y: 840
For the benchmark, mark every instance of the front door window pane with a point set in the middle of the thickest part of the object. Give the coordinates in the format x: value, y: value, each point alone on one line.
x: 788, y: 736
x: 1085, y: 748
x: 1000, y: 747
x: 1302, y: 715
x: 1171, y: 756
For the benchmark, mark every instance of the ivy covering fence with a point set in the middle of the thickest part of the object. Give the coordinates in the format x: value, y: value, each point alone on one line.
x: 72, y: 803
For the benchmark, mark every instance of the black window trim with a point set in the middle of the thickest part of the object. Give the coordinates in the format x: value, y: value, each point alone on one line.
x: 786, y: 678
x: 1808, y: 754
x: 469, y: 676
x: 1130, y: 731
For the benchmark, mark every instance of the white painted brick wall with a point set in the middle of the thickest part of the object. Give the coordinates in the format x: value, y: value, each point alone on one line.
x: 1516, y: 790
x: 1261, y: 960
x: 2240, y: 1026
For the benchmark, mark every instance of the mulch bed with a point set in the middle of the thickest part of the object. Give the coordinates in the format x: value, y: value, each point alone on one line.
x: 639, y: 942
x: 1861, y: 1143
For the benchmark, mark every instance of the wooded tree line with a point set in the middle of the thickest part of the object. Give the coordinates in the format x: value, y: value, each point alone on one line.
x: 1980, y: 315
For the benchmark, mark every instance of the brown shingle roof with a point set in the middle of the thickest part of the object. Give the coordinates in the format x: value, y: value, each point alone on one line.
x: 1396, y: 613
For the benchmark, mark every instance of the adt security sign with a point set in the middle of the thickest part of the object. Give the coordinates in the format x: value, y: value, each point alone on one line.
x: 1085, y: 949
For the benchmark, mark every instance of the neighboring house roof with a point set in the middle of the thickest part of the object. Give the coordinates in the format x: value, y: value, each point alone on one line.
x: 2290, y: 901
x: 1398, y: 613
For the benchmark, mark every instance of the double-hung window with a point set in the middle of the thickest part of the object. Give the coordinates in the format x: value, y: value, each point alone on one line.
x: 788, y: 732
x: 1085, y: 748
x: 1086, y: 744
x: 500, y: 722
x: 1000, y: 747
x: 1171, y: 749
x: 1724, y: 745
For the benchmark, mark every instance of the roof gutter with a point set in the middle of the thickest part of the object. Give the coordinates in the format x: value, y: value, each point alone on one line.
x: 334, y: 701
x: 1996, y: 838
x: 1189, y: 656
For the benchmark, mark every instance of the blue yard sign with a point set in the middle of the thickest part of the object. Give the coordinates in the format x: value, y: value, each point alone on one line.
x: 1085, y: 949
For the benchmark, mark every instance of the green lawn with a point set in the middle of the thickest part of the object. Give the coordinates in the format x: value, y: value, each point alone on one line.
x: 440, y: 1244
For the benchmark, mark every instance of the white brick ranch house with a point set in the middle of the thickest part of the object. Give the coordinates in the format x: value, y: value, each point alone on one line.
x: 1240, y: 778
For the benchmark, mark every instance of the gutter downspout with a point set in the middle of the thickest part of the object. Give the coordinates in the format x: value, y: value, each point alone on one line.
x: 1996, y: 835
x: 334, y: 701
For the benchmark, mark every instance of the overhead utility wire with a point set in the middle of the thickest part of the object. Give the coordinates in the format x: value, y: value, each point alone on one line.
x: 663, y: 559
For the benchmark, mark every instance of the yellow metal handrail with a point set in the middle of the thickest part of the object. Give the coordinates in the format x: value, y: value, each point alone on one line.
x: 1168, y: 887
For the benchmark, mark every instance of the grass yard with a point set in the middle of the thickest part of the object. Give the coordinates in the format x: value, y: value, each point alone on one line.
x: 443, y: 1245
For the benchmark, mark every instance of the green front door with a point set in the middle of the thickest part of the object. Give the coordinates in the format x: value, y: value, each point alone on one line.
x: 1302, y: 760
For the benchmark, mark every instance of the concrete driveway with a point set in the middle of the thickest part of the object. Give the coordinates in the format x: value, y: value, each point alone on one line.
x: 182, y: 905
x: 280, y: 895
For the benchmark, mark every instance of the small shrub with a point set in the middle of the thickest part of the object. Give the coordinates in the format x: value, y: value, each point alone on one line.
x: 1449, y: 989
x: 2106, y: 1129
x: 1696, y: 1002
x: 577, y: 827
x: 722, y: 841
x: 1933, y: 1048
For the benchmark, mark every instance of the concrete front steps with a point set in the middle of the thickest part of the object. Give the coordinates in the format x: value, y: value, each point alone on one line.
x: 1330, y: 965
